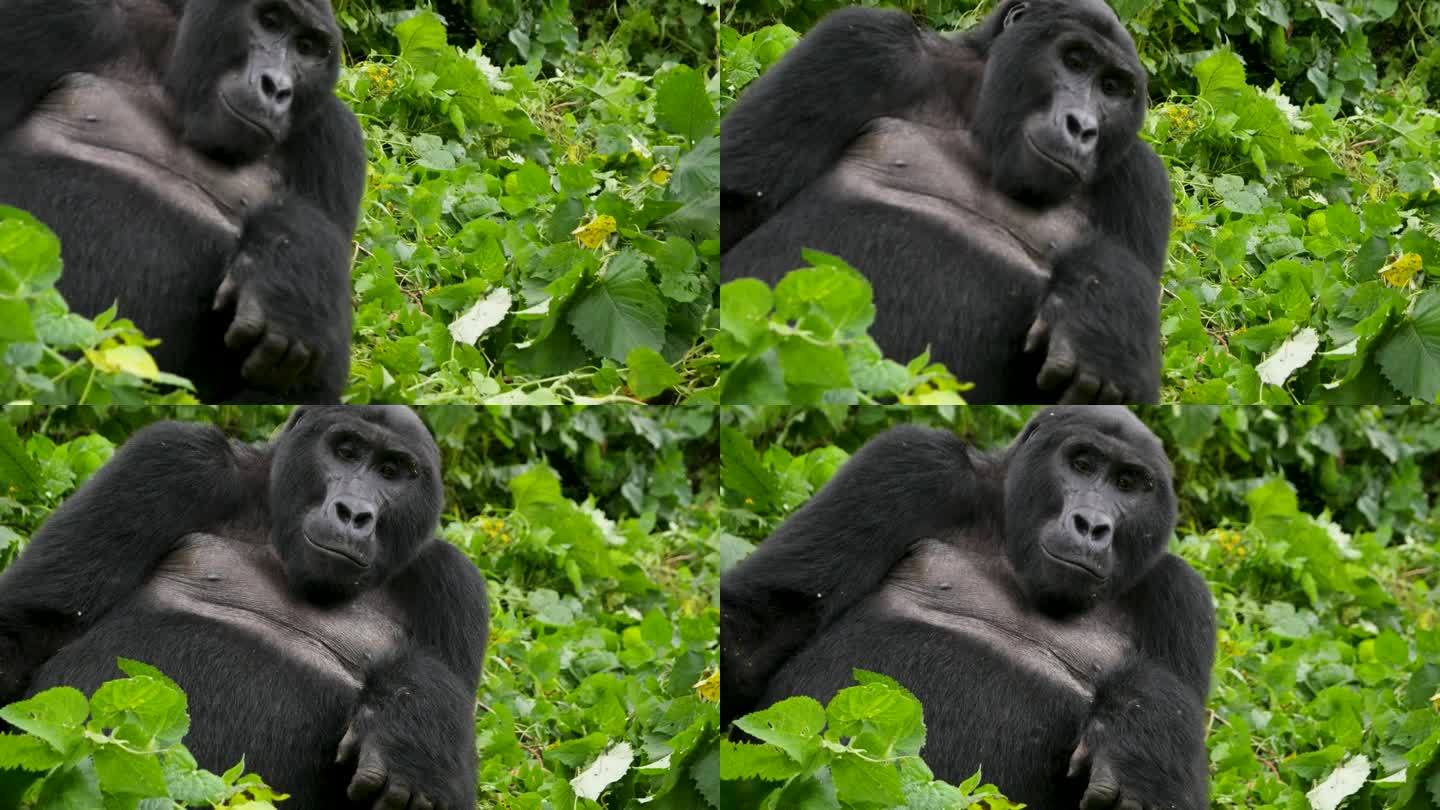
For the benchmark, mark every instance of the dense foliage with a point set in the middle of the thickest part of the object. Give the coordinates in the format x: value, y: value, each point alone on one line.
x: 1300, y: 137
x: 597, y: 531
x: 540, y: 221
x: 1318, y: 531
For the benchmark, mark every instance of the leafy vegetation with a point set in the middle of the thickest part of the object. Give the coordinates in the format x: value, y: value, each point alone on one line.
x: 1300, y: 137
x: 540, y: 222
x: 1318, y: 531
x: 598, y: 532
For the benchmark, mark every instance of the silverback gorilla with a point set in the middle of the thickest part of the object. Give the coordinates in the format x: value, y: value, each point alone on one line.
x: 991, y: 187
x: 1026, y: 597
x: 296, y: 591
x: 200, y: 172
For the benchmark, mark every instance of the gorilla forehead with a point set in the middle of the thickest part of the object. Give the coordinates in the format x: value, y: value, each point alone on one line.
x: 1115, y: 421
x: 1093, y: 14
x: 396, y: 420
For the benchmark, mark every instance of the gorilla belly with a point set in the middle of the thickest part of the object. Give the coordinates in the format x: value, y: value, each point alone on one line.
x: 124, y: 129
x: 1004, y: 688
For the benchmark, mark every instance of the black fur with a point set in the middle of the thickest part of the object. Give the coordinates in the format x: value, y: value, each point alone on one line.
x: 795, y: 143
x: 229, y: 567
x: 930, y: 561
x: 157, y: 219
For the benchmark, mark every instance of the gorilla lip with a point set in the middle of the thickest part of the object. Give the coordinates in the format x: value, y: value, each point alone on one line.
x: 1073, y: 564
x: 345, y: 555
x: 1051, y: 158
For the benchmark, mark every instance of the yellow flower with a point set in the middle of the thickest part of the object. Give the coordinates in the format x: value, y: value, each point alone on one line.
x: 708, y: 687
x: 659, y: 175
x: 1399, y: 272
x: 594, y: 233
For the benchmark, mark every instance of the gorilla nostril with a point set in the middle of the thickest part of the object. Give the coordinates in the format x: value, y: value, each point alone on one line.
x: 362, y: 520
x: 1082, y: 525
x: 343, y: 512
x: 1083, y: 131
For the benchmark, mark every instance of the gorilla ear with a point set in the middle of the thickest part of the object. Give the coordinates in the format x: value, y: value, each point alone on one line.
x: 1013, y: 15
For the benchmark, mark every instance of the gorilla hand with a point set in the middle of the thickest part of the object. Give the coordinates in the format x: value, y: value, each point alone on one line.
x: 1065, y: 370
x: 400, y: 771
x: 269, y: 323
x: 1123, y: 776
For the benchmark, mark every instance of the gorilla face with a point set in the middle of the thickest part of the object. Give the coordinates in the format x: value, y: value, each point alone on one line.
x: 245, y: 73
x: 1089, y: 505
x: 354, y: 492
x: 1062, y: 98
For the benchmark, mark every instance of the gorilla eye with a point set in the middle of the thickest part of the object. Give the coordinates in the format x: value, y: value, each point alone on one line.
x: 1076, y: 59
x: 1125, y: 483
x: 347, y: 451
x: 1083, y: 464
x: 312, y: 47
x: 1013, y: 15
x: 390, y: 470
x: 270, y: 19
x: 1113, y: 86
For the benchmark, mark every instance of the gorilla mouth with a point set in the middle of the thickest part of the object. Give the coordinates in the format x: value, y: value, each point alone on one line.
x: 1051, y: 159
x: 247, y: 120
x: 1076, y: 564
x: 343, y: 553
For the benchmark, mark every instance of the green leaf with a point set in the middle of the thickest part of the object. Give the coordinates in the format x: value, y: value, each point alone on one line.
x: 129, y: 774
x: 860, y: 781
x: 621, y: 312
x: 648, y: 375
x: 793, y: 725
x: 56, y: 716
x: 742, y: 473
x: 682, y: 105
x: 1410, y: 359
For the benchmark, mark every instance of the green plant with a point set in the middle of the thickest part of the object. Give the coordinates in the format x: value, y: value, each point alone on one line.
x: 126, y: 755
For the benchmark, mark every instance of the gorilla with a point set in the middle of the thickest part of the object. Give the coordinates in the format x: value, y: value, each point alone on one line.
x: 991, y: 188
x: 1025, y: 596
x: 200, y: 173
x: 296, y: 591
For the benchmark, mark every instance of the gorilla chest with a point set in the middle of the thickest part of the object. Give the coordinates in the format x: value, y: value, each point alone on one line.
x: 971, y: 596
x: 936, y: 174
x: 242, y: 587
x: 125, y: 129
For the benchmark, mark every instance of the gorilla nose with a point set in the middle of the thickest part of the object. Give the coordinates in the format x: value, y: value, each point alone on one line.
x: 276, y: 92
x: 1091, y: 525
x: 1082, y: 129
x: 355, y: 518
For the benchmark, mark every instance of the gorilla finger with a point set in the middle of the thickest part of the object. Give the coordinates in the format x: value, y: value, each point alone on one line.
x: 1131, y: 804
x: 422, y: 802
x: 1059, y: 366
x: 1110, y: 394
x: 370, y: 775
x: 1079, y: 761
x: 349, y: 745
x: 1104, y: 789
x: 1082, y: 391
x: 260, y: 365
x: 248, y: 325
x: 295, y: 364
x: 396, y: 797
x: 225, y: 296
x: 1037, y: 336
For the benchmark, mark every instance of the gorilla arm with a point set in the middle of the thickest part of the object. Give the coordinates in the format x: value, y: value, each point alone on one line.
x: 289, y: 282
x: 794, y: 122
x: 904, y: 486
x: 43, y: 40
x: 1144, y: 742
x: 1099, y: 320
x: 412, y: 736
x: 169, y: 480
